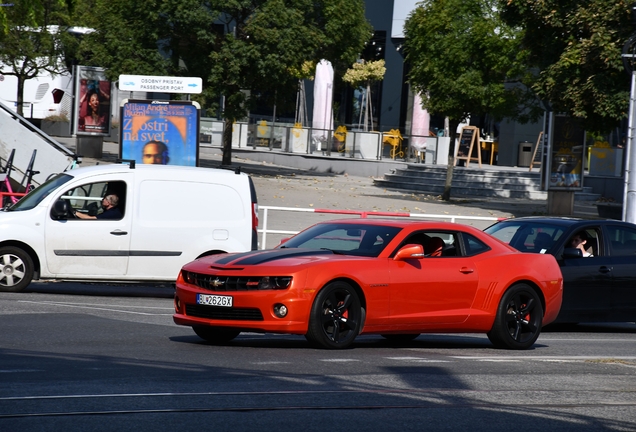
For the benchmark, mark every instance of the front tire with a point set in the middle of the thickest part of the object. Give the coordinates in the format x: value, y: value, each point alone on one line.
x: 16, y: 269
x: 336, y: 316
x: 519, y: 319
x: 215, y: 335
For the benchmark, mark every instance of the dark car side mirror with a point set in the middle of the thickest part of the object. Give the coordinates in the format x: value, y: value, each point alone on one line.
x: 59, y: 210
x: 572, y: 253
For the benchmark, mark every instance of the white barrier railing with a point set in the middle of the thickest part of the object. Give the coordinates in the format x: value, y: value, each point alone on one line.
x: 363, y: 214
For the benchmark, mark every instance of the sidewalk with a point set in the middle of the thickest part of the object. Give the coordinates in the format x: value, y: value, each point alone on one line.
x: 286, y: 186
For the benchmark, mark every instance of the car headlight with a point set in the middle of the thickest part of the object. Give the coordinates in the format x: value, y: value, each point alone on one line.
x: 274, y: 282
x: 189, y: 277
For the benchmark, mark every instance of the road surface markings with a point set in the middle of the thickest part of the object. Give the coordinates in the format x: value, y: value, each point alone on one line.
x: 107, y: 308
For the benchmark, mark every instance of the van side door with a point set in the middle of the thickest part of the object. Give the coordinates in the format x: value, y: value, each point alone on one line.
x: 95, y: 248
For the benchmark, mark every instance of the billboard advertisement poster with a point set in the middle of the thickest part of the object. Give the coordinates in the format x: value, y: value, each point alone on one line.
x: 92, y: 108
x: 160, y: 132
x: 568, y: 142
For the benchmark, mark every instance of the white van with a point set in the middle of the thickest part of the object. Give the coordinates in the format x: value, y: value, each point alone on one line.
x: 171, y: 215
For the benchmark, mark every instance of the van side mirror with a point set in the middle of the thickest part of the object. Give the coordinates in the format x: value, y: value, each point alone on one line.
x: 572, y: 253
x: 409, y: 251
x: 59, y: 210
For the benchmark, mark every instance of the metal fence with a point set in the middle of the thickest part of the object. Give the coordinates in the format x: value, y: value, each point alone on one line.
x: 340, y: 142
x: 286, y: 226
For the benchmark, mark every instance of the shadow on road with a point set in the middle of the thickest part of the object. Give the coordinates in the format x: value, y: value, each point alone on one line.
x: 102, y: 289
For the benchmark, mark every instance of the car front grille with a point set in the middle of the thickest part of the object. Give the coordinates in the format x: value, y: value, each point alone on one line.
x: 224, y: 283
x: 223, y: 313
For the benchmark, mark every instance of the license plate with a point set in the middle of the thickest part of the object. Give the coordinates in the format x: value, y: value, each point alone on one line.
x: 214, y: 300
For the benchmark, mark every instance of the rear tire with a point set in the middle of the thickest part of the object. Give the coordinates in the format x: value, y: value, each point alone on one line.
x: 216, y: 335
x: 336, y: 317
x: 519, y: 318
x: 16, y: 269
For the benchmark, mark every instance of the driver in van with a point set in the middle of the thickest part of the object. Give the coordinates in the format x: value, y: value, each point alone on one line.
x: 109, y: 204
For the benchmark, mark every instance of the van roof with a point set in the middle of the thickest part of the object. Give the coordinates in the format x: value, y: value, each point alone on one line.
x: 165, y: 171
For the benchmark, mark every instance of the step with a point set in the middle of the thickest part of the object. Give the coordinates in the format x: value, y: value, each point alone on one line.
x: 473, y: 190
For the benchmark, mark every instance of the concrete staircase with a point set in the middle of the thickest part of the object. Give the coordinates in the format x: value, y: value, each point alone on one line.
x: 494, y: 181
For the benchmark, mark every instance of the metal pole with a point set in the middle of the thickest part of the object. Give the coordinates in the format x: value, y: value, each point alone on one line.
x: 629, y: 206
x: 548, y: 149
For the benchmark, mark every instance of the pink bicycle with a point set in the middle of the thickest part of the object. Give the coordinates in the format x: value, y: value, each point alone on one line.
x: 8, y: 195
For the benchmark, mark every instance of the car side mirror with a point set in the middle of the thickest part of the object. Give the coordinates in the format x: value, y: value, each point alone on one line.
x: 59, y: 210
x: 572, y: 253
x: 283, y: 241
x: 409, y: 251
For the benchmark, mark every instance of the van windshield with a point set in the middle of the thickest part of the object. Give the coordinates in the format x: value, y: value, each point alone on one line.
x: 33, y: 198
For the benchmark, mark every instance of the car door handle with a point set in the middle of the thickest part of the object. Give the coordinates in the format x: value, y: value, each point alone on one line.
x: 466, y: 270
x: 604, y: 269
x: 119, y: 232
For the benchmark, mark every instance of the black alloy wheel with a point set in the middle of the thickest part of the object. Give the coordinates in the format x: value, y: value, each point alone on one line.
x: 519, y: 319
x: 336, y: 316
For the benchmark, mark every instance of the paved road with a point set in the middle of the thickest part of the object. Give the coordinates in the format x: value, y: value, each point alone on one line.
x: 74, y: 358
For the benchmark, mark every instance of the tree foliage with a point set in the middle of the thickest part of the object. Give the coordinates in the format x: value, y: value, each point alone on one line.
x: 365, y: 72
x: 238, y: 47
x: 576, y: 45
x: 32, y: 40
x: 466, y: 61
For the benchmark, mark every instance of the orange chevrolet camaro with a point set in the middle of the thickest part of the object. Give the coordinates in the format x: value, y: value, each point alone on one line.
x: 396, y: 278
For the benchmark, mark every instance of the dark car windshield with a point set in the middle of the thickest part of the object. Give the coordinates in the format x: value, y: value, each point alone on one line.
x: 33, y: 198
x: 527, y: 236
x: 350, y: 239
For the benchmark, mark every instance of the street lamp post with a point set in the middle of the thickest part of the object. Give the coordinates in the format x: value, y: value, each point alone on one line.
x: 629, y: 192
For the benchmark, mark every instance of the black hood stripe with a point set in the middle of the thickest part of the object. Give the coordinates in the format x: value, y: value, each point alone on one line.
x: 231, y: 257
x: 260, y: 257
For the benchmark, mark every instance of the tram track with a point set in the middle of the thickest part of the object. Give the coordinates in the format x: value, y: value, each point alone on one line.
x: 288, y: 400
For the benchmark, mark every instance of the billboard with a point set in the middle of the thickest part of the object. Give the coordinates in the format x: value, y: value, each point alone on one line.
x: 566, y: 168
x: 160, y: 132
x: 92, y: 107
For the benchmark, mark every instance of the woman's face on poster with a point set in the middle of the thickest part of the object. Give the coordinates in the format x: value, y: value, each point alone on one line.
x: 94, y: 102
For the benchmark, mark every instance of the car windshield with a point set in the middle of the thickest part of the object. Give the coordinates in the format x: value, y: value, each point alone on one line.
x: 33, y: 198
x: 361, y: 239
x: 527, y: 236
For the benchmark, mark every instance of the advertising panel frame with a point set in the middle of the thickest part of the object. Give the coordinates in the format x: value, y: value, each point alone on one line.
x: 92, y: 104
x: 160, y: 131
x: 567, y: 154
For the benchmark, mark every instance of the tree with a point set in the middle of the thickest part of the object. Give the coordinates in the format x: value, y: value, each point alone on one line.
x: 465, y: 61
x: 576, y: 45
x: 129, y: 36
x: 32, y: 35
x: 238, y: 47
x: 364, y: 73
x: 264, y: 39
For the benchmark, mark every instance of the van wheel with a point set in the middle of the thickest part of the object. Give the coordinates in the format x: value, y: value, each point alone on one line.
x: 16, y: 269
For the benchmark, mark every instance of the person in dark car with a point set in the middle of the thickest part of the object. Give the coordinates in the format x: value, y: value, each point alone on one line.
x: 580, y: 241
x: 111, y: 211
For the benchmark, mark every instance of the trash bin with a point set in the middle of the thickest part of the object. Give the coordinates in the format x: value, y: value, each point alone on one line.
x: 525, y: 154
x: 90, y: 146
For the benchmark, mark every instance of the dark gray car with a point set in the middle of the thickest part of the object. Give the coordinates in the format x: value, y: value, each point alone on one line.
x: 599, y: 279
